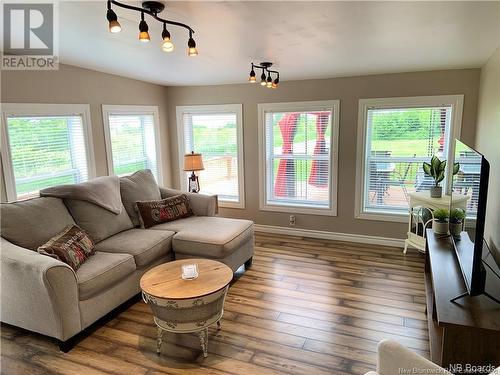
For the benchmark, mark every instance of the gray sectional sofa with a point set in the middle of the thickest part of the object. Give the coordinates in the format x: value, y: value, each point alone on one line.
x: 44, y: 295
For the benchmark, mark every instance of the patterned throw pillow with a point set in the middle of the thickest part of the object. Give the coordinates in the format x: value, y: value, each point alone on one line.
x: 72, y: 246
x: 169, y: 209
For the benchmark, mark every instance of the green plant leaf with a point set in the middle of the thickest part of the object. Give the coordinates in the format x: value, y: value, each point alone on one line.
x: 435, y: 162
x: 442, y: 166
x: 427, y: 169
x: 456, y: 168
x: 440, y: 177
x: 441, y: 215
x: 457, y: 215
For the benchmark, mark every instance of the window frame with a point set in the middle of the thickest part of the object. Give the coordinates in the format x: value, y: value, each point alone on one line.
x: 207, y: 110
x: 111, y: 109
x: 303, y: 106
x: 456, y: 104
x: 40, y: 109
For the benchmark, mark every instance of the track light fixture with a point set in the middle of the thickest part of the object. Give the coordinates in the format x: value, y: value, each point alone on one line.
x: 114, y: 25
x: 252, y: 79
x: 151, y: 8
x: 266, y: 81
x: 167, y: 44
x: 263, y: 78
x: 192, y: 51
x: 143, y: 30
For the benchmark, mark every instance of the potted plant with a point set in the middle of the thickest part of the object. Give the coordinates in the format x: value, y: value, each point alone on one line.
x: 436, y: 169
x: 440, y: 223
x: 457, y: 217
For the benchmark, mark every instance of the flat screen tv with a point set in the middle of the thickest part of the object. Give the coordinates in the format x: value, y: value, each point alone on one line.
x: 469, y: 193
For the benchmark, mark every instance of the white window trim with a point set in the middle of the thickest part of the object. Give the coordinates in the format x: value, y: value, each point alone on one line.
x: 108, y: 110
x: 37, y: 109
x: 208, y: 109
x: 334, y: 144
x: 455, y: 101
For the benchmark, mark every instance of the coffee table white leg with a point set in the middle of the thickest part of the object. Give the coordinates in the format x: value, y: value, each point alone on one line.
x: 204, y: 341
x: 159, y: 340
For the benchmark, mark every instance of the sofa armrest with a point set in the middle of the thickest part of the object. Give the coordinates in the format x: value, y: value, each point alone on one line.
x: 393, y: 357
x: 201, y: 204
x: 39, y: 293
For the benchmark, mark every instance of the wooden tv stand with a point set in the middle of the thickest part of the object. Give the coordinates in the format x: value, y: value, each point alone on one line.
x: 466, y: 331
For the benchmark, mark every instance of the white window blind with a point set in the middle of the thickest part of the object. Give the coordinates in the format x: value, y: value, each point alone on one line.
x: 398, y: 141
x: 300, y: 165
x: 132, y: 141
x: 467, y: 180
x: 216, y: 136
x: 46, y: 151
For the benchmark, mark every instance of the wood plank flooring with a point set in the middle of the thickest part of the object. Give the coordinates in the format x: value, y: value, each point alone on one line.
x: 305, y: 307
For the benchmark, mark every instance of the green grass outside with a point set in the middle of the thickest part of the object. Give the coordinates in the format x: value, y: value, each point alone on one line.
x: 130, y: 168
x: 210, y: 144
x: 28, y: 187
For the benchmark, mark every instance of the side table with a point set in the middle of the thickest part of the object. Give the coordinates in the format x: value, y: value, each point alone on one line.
x: 184, y: 306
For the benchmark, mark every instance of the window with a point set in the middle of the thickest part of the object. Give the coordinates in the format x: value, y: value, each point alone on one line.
x: 45, y: 145
x: 298, y: 157
x: 215, y: 131
x: 395, y: 136
x: 132, y: 139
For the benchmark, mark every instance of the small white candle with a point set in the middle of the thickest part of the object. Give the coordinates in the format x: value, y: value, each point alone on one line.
x: 189, y: 271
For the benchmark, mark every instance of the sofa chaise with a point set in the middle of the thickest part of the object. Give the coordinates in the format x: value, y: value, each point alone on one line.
x: 45, y: 295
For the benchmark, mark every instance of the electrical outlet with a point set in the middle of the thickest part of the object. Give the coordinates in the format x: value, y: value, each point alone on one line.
x: 292, y: 220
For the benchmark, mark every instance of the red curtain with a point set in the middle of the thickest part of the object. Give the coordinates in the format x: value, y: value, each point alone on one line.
x: 284, y: 185
x: 319, y: 168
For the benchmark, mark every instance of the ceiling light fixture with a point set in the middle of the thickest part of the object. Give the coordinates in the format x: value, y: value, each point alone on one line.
x: 266, y: 81
x: 167, y: 44
x: 143, y: 30
x: 192, y: 51
x: 252, y: 78
x: 151, y: 8
x: 114, y: 25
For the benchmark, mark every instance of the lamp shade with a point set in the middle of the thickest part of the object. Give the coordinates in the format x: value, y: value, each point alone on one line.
x: 193, y: 162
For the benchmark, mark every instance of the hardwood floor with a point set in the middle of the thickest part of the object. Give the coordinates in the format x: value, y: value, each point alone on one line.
x: 305, y: 307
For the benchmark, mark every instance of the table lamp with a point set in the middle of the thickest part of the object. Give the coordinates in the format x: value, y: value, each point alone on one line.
x: 193, y: 162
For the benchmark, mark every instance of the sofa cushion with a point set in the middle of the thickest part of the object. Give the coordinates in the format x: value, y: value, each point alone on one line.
x: 144, y: 245
x: 140, y: 186
x: 168, y: 209
x: 72, y: 246
x: 101, y: 271
x: 103, y: 191
x: 99, y: 222
x: 210, y: 237
x: 32, y: 217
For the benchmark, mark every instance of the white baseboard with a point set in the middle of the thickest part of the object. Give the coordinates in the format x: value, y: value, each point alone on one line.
x: 358, y: 238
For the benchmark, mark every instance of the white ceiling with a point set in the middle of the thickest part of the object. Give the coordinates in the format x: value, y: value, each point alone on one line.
x: 305, y: 39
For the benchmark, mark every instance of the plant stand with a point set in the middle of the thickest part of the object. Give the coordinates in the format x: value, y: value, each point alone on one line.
x: 421, y: 214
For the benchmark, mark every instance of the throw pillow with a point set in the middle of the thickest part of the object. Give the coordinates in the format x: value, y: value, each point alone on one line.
x: 72, y: 246
x: 139, y: 186
x: 169, y: 209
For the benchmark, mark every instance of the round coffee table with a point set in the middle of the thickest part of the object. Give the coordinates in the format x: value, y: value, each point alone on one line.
x: 184, y: 306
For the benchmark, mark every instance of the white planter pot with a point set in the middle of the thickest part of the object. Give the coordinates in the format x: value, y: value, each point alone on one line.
x: 440, y: 228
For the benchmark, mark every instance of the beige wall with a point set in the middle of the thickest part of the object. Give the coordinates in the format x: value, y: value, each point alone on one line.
x: 71, y: 84
x: 488, y: 143
x: 77, y: 85
x: 349, y: 90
